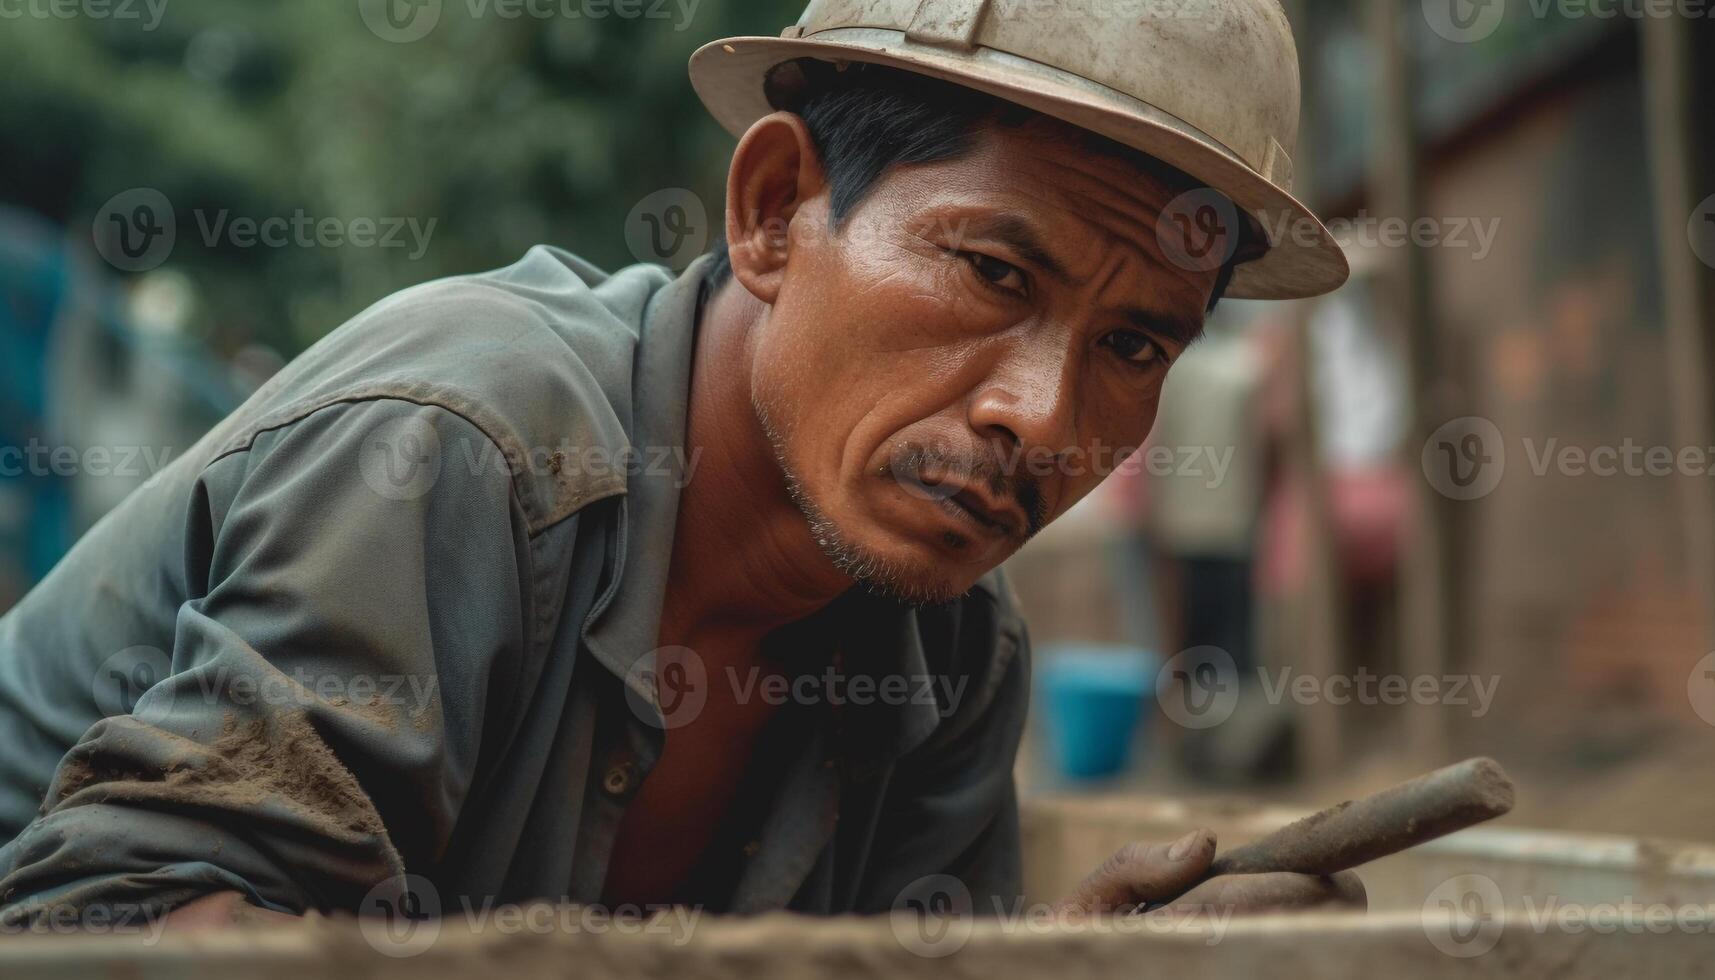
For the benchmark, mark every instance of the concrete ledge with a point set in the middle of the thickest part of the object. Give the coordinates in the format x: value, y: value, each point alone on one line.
x: 778, y: 946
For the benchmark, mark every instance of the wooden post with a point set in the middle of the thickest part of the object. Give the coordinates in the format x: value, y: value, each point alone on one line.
x: 1319, y: 641
x: 1404, y: 296
x: 1669, y: 116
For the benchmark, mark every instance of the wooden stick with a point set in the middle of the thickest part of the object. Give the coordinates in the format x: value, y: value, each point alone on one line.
x: 1357, y: 832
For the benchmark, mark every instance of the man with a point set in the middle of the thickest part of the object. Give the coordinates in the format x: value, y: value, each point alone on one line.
x: 487, y: 591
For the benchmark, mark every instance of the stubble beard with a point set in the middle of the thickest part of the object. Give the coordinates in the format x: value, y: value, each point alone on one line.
x: 876, y: 574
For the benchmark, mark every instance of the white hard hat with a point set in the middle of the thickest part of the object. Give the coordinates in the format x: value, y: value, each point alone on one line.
x: 1207, y: 86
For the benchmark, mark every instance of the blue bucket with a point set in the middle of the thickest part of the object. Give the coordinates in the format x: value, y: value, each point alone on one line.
x: 1095, y: 697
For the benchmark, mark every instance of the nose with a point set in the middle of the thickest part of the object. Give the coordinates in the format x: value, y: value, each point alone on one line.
x: 1028, y: 399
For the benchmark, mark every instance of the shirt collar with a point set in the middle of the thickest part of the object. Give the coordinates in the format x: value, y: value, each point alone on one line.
x: 622, y: 633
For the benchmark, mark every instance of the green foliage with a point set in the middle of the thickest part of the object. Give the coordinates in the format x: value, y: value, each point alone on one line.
x: 505, y: 131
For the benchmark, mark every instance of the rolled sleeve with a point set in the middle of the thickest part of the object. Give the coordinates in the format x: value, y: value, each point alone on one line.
x: 357, y: 576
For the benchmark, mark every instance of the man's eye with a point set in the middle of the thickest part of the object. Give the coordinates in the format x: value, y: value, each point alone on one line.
x: 1133, y: 346
x: 1005, y: 275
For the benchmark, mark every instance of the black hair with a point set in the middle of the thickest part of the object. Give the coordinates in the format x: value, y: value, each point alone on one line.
x: 867, y: 118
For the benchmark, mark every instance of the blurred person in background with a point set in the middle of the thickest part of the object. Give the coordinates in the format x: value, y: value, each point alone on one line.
x: 1332, y: 417
x: 1203, y: 496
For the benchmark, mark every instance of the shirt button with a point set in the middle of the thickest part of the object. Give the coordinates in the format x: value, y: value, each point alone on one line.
x: 618, y: 779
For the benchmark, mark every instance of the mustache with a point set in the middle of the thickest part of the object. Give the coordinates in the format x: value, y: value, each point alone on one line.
x: 915, y: 461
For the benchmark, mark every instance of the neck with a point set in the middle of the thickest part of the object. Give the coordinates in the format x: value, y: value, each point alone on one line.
x: 744, y: 562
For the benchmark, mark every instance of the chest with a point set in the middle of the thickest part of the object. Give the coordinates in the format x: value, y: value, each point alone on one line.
x: 678, y: 810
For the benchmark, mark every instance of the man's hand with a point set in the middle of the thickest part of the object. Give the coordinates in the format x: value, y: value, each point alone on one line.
x: 222, y: 910
x: 1140, y: 875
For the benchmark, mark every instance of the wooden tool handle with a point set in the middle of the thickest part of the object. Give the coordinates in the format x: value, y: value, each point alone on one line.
x: 1356, y: 832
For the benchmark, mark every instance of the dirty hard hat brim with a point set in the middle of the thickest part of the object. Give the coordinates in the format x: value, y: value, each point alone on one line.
x: 1303, y: 259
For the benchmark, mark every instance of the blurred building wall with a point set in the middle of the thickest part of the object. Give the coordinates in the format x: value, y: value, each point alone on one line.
x: 1575, y: 585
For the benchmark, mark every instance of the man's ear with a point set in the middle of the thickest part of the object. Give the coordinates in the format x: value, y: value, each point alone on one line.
x: 775, y: 170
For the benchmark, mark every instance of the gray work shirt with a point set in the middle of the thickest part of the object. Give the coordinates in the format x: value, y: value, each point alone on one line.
x: 398, y: 614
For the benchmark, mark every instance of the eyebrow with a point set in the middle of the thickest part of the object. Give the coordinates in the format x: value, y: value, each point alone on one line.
x: 1018, y: 234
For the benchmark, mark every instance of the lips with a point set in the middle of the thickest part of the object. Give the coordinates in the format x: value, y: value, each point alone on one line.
x: 1003, y: 521
x: 988, y: 512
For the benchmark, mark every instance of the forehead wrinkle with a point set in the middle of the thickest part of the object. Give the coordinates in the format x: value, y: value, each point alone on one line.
x: 1133, y: 187
x: 1115, y: 262
x: 1045, y: 153
x: 1149, y: 314
x: 1122, y: 269
x: 1139, y: 233
x: 1097, y: 195
x: 1115, y: 248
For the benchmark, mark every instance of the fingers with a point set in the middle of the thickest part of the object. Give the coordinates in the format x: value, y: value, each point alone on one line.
x: 1273, y: 893
x: 1350, y: 892
x: 1141, y: 873
x: 222, y: 910
x: 214, y: 911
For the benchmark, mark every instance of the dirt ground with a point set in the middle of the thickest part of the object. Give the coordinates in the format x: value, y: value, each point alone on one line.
x: 1663, y: 789
x: 1668, y: 792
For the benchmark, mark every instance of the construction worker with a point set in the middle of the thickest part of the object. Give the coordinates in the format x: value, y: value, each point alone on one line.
x: 630, y: 589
